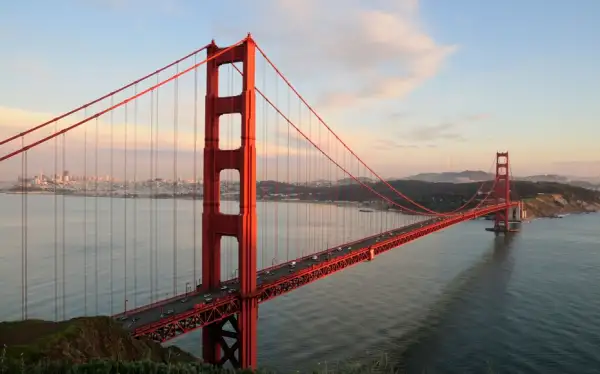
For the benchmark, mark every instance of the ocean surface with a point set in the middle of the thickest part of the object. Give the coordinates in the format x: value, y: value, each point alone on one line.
x: 457, y: 301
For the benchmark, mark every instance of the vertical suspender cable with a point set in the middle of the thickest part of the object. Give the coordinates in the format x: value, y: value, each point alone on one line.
x: 125, y: 186
x: 135, y: 198
x: 175, y: 181
x: 85, y: 249
x: 96, y: 220
x: 111, y: 192
x: 195, y: 192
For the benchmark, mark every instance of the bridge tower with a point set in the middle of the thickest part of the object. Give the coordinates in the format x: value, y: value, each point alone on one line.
x: 502, y: 192
x: 242, y: 226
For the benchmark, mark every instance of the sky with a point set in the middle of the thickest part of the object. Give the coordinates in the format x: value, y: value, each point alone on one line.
x: 412, y: 86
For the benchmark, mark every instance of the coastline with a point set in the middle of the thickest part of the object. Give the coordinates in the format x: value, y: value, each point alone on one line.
x: 541, y: 206
x: 557, y: 206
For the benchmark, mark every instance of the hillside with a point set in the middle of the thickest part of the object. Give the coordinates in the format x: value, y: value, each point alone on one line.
x: 552, y: 205
x: 476, y: 176
x: 452, y: 177
x: 80, y: 340
x: 436, y: 196
x: 98, y: 345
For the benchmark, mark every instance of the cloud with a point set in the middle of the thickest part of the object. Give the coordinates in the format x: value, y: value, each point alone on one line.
x: 378, y: 53
x: 442, y: 131
x: 394, y: 145
x: 419, y: 137
x: 477, y: 117
x: 397, y: 115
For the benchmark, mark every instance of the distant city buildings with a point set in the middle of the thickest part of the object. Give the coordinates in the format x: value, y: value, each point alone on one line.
x: 105, y: 185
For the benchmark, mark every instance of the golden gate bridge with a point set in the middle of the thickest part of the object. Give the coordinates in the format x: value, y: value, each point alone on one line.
x: 256, y: 126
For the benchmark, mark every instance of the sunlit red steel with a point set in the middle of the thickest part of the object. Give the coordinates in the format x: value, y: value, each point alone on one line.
x: 241, y: 226
x: 169, y: 328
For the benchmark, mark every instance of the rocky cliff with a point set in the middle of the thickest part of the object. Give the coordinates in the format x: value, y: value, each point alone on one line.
x: 552, y: 205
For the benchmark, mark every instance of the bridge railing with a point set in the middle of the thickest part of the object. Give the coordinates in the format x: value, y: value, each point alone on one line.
x: 154, y: 304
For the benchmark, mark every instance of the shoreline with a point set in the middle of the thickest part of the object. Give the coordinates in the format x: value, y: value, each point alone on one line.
x: 543, y: 206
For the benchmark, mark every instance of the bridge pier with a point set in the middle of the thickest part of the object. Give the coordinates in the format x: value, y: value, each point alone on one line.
x: 241, y: 226
x: 215, y: 347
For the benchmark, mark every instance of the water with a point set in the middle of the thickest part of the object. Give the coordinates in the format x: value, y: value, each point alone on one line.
x: 456, y: 301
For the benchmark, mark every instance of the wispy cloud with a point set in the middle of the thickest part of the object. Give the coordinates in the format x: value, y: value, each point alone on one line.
x: 379, y: 51
x: 397, y: 115
x: 427, y: 136
x: 382, y: 50
x: 442, y: 131
x: 393, y: 145
x: 476, y: 117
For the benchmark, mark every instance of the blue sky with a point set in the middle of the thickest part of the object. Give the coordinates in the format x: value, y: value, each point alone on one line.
x: 413, y: 86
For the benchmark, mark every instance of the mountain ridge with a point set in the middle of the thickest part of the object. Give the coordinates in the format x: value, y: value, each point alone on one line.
x: 467, y: 176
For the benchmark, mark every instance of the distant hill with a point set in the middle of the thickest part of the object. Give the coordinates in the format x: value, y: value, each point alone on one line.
x: 468, y: 176
x: 453, y: 177
x: 441, y: 196
x: 545, y: 178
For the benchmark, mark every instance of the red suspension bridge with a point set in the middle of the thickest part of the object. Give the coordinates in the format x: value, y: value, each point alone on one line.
x: 122, y: 184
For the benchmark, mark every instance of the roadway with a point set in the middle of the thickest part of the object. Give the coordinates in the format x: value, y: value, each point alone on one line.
x: 184, y: 303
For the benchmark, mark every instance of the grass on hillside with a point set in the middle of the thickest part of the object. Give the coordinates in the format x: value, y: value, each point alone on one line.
x: 79, y: 340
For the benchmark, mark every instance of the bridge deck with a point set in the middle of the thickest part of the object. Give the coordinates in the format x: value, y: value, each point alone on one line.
x: 185, y: 302
x: 182, y: 316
